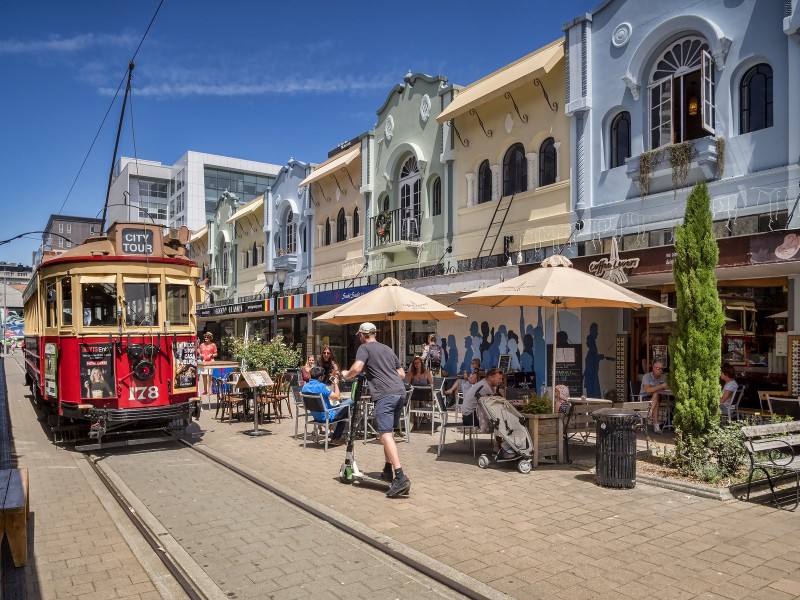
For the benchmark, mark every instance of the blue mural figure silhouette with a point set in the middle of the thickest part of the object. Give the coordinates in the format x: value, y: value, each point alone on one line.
x: 451, y: 355
x: 513, y: 349
x: 492, y: 354
x: 591, y: 366
x: 526, y: 356
x: 466, y: 364
x: 485, y: 343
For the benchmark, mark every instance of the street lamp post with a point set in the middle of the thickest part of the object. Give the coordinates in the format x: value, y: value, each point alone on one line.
x: 279, y: 276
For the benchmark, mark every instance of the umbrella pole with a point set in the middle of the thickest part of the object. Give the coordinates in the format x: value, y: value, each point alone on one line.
x: 555, y: 359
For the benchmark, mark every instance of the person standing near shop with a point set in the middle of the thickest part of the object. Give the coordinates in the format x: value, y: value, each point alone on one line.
x: 385, y: 376
x: 208, y: 352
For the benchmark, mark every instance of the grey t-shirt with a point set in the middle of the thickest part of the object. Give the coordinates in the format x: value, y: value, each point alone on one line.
x: 380, y: 367
x: 649, y: 379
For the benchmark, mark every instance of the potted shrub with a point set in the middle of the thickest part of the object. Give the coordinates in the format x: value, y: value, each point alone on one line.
x: 547, y: 429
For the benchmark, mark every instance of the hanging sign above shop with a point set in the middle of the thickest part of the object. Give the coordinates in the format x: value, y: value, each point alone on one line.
x: 232, y: 309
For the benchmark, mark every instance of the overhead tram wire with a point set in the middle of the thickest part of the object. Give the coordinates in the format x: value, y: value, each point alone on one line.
x: 108, y: 110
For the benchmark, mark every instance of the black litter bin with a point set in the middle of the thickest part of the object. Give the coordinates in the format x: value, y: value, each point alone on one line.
x: 616, y: 447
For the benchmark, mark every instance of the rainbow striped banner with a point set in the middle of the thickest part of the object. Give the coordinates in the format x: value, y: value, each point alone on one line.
x: 291, y: 302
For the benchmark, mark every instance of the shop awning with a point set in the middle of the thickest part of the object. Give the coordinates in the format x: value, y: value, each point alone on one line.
x: 507, y: 78
x: 199, y: 234
x: 247, y: 209
x: 332, y: 165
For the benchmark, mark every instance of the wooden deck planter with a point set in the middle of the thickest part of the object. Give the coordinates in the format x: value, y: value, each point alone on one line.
x: 547, y: 433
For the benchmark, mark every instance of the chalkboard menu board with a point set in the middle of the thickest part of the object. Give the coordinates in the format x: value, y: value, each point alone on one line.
x: 569, y: 367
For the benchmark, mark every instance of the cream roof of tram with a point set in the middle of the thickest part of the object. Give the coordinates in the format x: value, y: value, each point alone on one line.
x: 505, y: 79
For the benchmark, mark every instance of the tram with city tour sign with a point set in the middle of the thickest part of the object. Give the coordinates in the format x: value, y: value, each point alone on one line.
x: 111, y: 337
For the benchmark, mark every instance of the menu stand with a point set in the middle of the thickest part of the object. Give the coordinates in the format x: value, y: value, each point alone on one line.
x: 254, y: 380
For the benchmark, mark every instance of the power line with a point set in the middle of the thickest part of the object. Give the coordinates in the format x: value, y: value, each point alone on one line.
x: 110, y: 106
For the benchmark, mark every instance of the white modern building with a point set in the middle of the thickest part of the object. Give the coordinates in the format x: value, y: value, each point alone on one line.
x: 185, y: 193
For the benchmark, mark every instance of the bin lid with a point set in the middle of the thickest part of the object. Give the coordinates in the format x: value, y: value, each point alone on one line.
x: 601, y: 414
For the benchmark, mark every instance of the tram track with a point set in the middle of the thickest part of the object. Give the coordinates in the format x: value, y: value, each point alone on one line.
x: 441, y: 580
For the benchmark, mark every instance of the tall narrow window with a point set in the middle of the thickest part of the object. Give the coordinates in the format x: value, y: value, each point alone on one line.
x: 755, y: 94
x: 515, y: 170
x: 291, y: 234
x: 620, y: 139
x: 484, y: 182
x: 255, y: 254
x: 327, y: 232
x: 410, y: 189
x: 356, y: 223
x: 341, y: 226
x: 436, y: 197
x: 547, y: 162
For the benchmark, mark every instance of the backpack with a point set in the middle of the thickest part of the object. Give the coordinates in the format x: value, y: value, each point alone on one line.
x: 434, y: 356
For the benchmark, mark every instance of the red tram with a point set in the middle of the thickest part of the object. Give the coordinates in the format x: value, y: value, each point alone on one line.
x: 111, y: 334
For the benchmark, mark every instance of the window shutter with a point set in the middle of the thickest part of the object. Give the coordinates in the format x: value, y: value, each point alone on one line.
x: 661, y: 126
x: 707, y: 92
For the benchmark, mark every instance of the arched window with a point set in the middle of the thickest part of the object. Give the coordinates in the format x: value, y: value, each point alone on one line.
x: 341, y: 226
x: 327, y: 232
x: 255, y: 254
x: 436, y: 197
x: 620, y: 139
x: 386, y: 204
x: 356, y: 224
x: 682, y: 93
x: 291, y: 234
x: 245, y: 259
x: 755, y: 99
x: 410, y: 190
x: 547, y: 162
x: 484, y: 182
x: 515, y: 170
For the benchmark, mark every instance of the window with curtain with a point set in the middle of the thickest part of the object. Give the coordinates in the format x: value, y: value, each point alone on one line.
x: 620, y: 139
x: 341, y: 226
x: 515, y: 170
x: 755, y: 99
x: 547, y: 162
x: 484, y: 182
x: 291, y: 234
x: 436, y: 197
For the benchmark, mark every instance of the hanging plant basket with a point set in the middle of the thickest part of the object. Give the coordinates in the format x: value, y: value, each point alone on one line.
x: 383, y: 223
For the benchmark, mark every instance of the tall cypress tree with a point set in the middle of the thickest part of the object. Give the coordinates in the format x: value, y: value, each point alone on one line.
x: 695, y: 349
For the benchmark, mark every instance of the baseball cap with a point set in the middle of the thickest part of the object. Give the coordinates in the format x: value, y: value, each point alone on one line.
x: 367, y: 328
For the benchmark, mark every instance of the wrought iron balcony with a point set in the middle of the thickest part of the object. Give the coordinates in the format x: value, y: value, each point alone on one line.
x: 395, y: 229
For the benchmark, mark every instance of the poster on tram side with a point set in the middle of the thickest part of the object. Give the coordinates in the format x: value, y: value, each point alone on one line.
x: 97, y: 371
x: 184, y: 365
x: 51, y: 370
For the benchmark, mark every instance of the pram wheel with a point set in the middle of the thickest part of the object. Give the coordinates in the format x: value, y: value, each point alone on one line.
x: 525, y: 466
x: 483, y: 461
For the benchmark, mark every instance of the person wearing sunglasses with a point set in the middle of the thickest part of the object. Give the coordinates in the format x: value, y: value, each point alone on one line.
x: 328, y: 362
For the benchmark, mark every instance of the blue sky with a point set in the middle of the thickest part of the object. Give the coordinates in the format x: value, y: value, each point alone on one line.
x: 244, y: 78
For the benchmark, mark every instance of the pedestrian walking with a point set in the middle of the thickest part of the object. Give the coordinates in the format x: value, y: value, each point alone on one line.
x: 385, y: 377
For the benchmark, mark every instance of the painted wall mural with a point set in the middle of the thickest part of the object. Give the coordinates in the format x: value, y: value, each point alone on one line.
x: 524, y: 333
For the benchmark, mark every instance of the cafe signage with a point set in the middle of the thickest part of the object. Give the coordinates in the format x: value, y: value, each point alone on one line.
x: 613, y: 267
x: 231, y: 309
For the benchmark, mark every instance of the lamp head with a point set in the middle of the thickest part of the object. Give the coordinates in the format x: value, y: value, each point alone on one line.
x: 281, y: 274
x: 270, y: 277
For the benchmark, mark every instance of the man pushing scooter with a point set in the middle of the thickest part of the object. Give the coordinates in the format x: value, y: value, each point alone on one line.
x: 385, y: 376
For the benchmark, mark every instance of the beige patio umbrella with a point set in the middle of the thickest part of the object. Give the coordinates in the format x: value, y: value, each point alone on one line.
x: 557, y: 284
x: 390, y: 301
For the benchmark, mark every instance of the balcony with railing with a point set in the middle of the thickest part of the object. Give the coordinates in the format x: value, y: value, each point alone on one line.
x: 395, y: 230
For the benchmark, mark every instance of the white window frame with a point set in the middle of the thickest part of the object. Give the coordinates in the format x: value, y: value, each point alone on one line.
x: 664, y: 107
x: 707, y: 92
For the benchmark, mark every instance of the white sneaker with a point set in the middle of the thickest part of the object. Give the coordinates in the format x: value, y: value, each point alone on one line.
x: 656, y: 428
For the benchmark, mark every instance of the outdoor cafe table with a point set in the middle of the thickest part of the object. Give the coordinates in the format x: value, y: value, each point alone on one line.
x: 255, y: 381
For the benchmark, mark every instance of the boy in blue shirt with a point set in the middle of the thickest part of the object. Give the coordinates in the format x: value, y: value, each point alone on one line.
x: 316, y: 386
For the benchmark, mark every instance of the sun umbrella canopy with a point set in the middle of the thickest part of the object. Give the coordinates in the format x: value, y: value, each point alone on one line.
x: 390, y: 301
x: 557, y: 283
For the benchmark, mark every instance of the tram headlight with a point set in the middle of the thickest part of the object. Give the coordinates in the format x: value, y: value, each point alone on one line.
x: 144, y: 370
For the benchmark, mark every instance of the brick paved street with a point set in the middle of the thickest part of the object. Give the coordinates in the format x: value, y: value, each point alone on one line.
x: 550, y: 534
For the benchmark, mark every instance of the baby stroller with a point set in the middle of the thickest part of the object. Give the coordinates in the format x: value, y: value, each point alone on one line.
x: 503, y: 420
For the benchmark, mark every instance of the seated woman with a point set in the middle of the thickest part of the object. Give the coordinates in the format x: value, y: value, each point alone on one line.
x: 417, y: 373
x: 305, y: 372
x: 466, y: 381
x: 728, y: 376
x: 329, y: 396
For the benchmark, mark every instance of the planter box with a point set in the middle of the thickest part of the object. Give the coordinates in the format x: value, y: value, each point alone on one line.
x: 547, y: 433
x: 703, y: 167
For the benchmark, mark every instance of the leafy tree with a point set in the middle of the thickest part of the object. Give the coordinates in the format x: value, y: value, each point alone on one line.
x: 274, y: 356
x: 695, y: 348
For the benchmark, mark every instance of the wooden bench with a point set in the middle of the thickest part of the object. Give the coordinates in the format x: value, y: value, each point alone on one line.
x: 774, y: 446
x: 14, y: 514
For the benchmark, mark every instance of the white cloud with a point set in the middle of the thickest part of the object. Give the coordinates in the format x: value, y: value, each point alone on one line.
x: 57, y: 44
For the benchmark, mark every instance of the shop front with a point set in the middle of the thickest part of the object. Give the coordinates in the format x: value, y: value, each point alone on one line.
x: 341, y: 338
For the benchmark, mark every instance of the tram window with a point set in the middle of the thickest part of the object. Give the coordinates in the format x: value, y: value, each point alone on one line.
x: 50, y: 297
x: 66, y: 301
x: 99, y: 303
x: 177, y: 304
x: 141, y: 304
